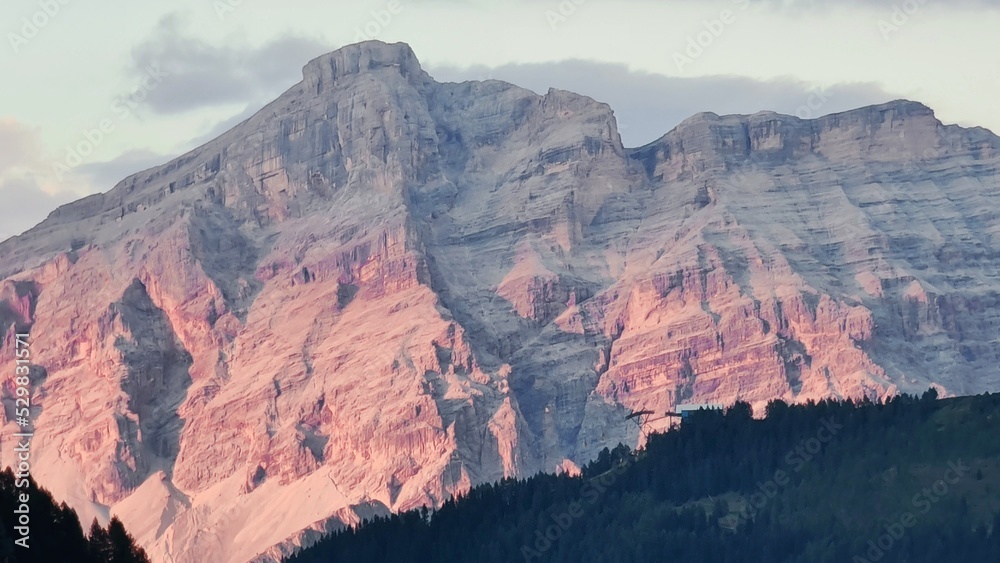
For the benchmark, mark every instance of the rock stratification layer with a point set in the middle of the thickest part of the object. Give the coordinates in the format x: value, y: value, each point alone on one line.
x: 381, y: 290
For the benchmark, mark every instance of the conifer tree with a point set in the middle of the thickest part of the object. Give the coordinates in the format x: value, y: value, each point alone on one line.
x: 123, y: 546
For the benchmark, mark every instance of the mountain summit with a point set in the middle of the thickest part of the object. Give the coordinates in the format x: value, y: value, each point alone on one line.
x: 381, y: 290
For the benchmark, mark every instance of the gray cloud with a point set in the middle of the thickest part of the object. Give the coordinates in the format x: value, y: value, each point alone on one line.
x: 25, y: 204
x: 102, y: 176
x: 873, y: 3
x: 221, y: 127
x: 19, y: 145
x: 648, y: 105
x: 202, y: 75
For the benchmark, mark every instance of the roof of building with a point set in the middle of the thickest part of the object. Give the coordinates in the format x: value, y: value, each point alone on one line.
x: 699, y: 406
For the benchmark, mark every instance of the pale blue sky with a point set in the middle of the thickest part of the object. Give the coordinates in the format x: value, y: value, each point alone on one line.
x: 163, y: 77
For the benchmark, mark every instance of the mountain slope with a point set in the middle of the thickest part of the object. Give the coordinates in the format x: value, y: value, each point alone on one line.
x: 380, y: 290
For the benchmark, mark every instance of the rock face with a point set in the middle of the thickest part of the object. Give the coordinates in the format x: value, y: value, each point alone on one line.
x: 381, y: 290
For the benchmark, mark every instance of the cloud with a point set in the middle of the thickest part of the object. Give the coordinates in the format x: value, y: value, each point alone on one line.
x: 219, y: 127
x: 875, y: 4
x: 18, y: 144
x: 200, y: 75
x: 25, y: 198
x: 28, y: 195
x: 25, y: 204
x: 103, y: 176
x: 648, y: 105
x: 28, y: 190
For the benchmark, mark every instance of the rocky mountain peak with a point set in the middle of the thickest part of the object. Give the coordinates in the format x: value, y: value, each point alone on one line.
x: 360, y: 58
x: 893, y: 130
x: 381, y: 290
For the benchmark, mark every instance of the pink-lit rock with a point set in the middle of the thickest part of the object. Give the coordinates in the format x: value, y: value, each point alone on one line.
x: 381, y: 290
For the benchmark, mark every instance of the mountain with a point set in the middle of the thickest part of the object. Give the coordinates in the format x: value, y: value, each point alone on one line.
x: 381, y: 290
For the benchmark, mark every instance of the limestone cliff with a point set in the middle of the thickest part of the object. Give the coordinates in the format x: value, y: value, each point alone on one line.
x: 380, y: 290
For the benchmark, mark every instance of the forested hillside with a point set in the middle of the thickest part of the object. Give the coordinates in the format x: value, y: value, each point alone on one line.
x: 912, y: 480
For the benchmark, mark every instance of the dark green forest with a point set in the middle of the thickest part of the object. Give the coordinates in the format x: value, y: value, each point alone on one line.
x: 55, y: 534
x: 913, y: 479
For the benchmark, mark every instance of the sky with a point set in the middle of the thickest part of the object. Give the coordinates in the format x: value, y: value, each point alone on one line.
x: 95, y: 91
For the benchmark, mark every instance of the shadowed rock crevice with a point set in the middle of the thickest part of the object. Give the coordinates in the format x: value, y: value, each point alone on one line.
x: 156, y: 383
x: 226, y: 255
x: 18, y: 300
x: 795, y: 358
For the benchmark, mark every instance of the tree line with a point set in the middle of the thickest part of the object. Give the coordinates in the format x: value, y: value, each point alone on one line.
x: 56, y: 535
x: 911, y: 479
